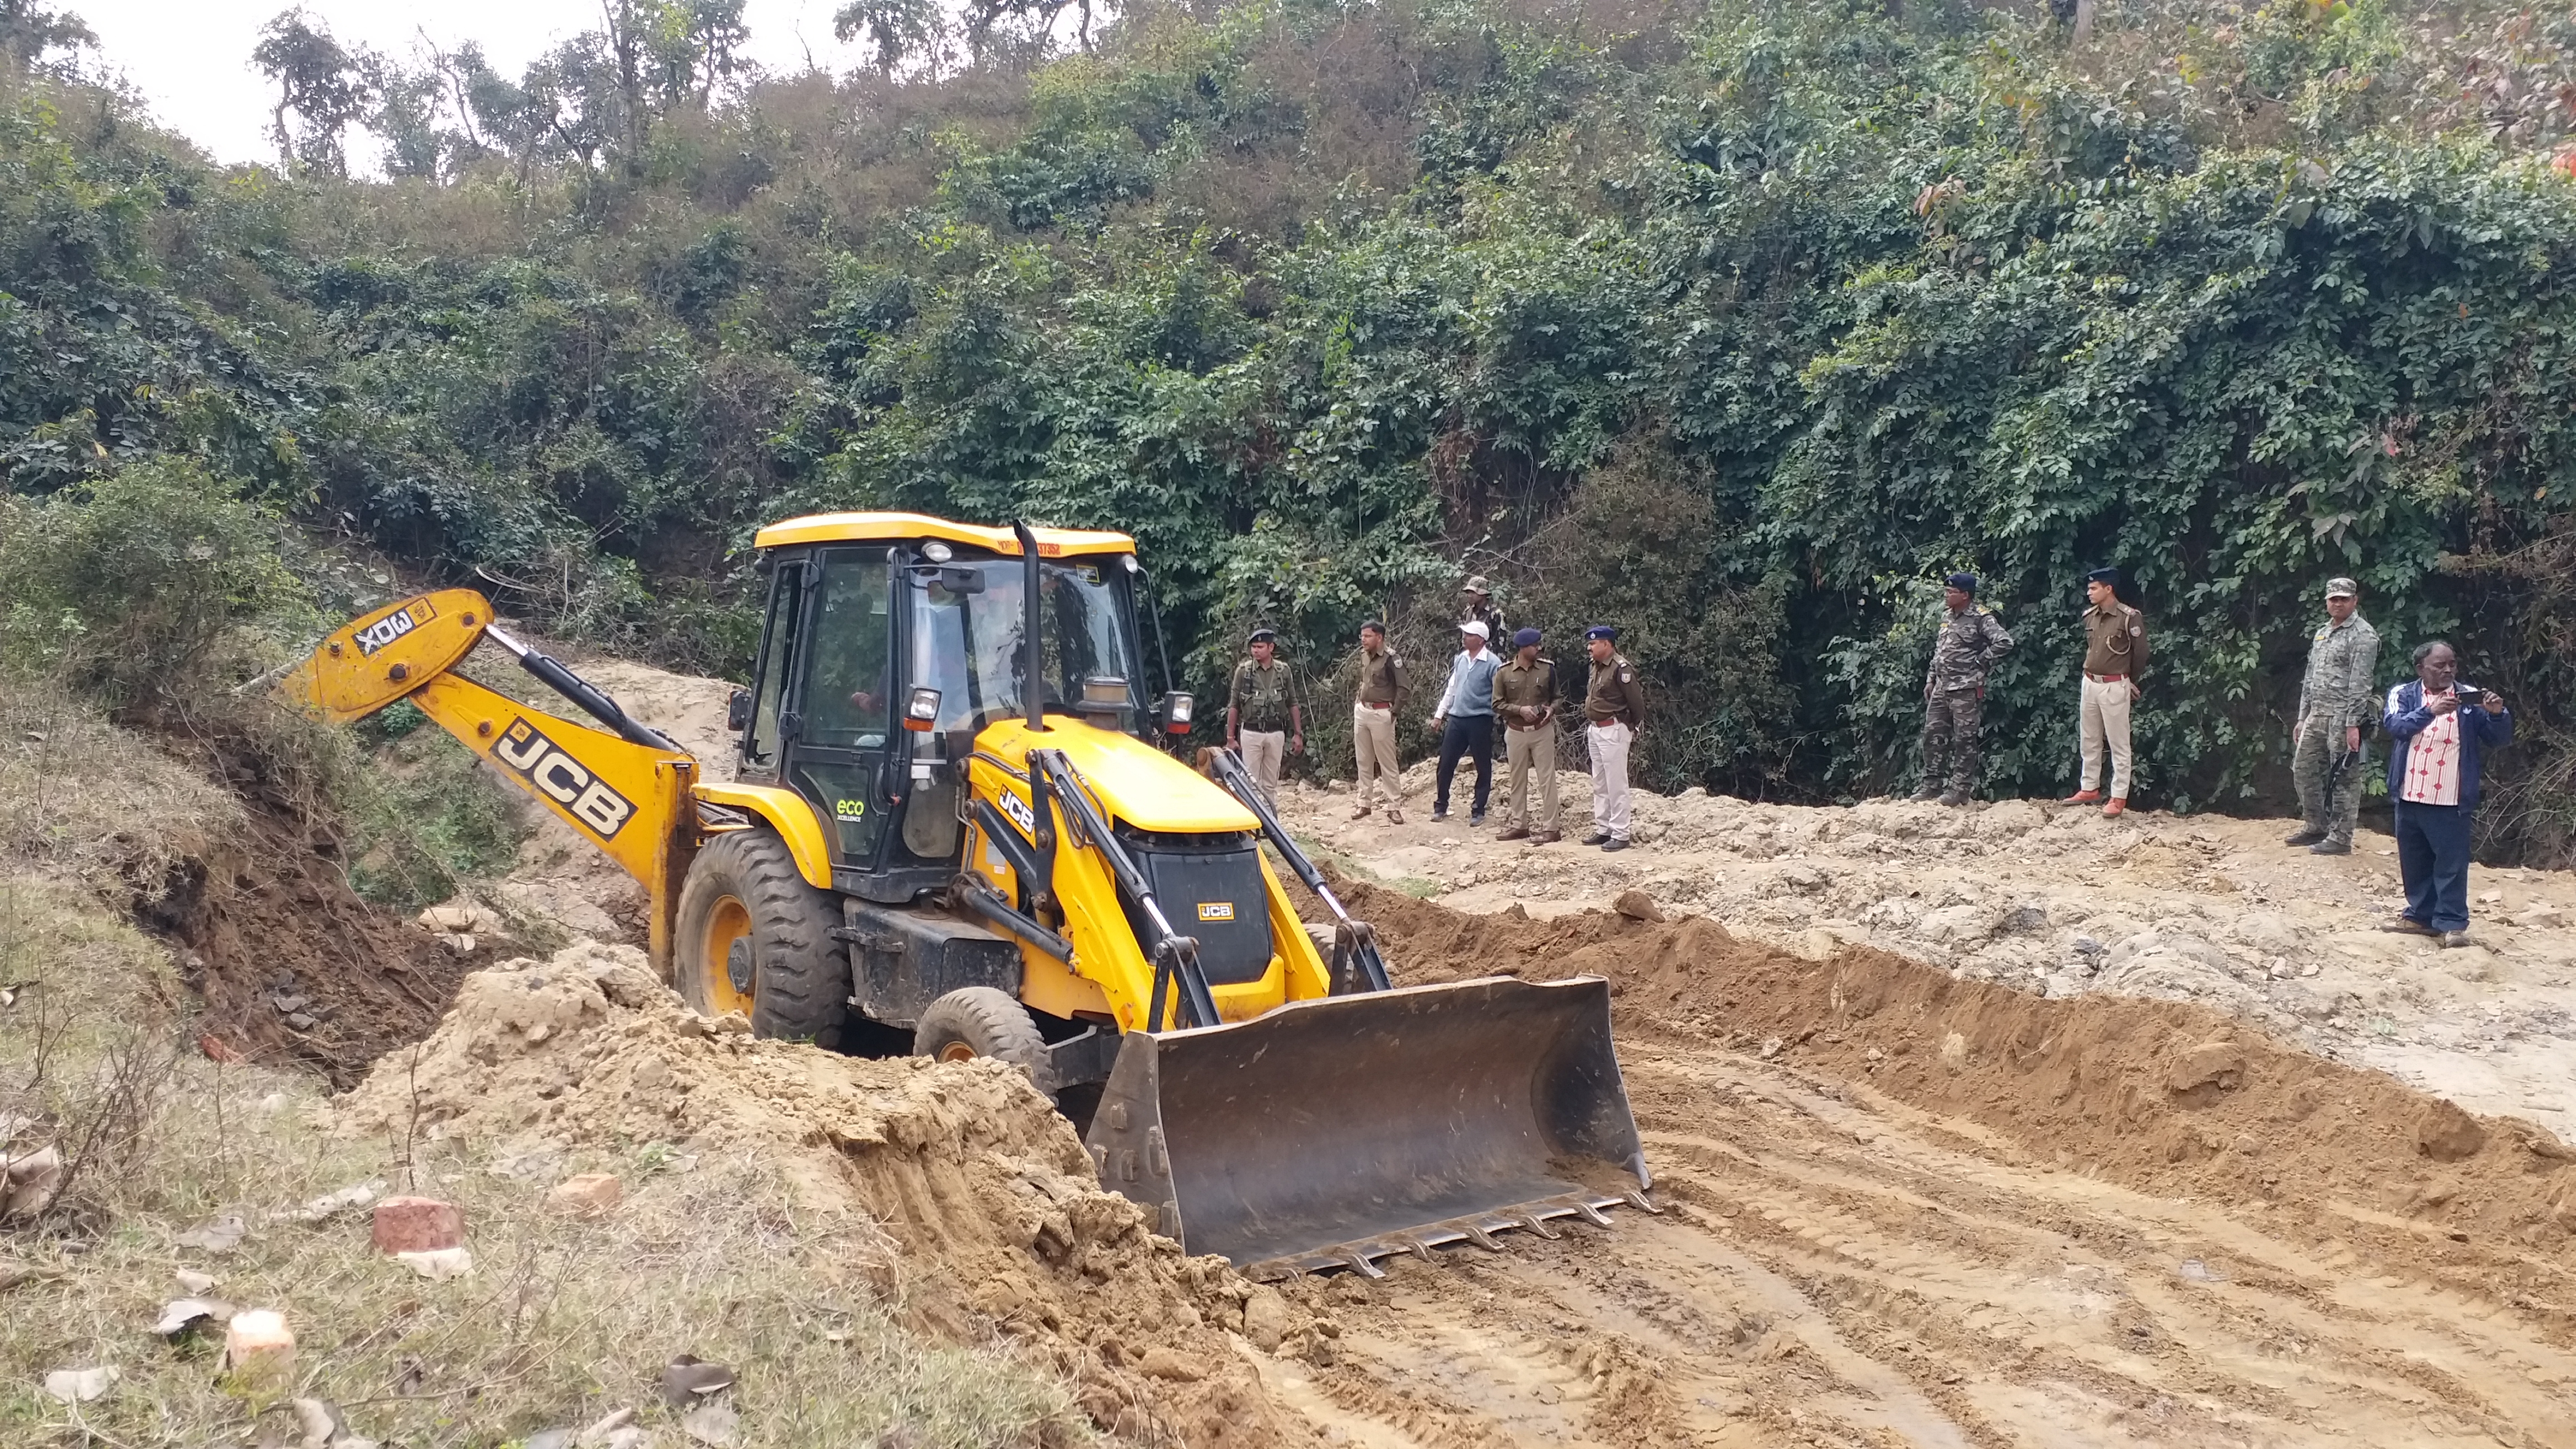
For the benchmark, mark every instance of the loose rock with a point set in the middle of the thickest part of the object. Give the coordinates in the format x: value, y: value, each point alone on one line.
x: 417, y: 1225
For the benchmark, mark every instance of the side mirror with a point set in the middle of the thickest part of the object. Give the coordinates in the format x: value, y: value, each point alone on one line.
x: 1176, y: 709
x: 738, y: 711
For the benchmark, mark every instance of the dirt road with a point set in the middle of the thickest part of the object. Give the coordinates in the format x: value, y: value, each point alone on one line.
x: 1934, y: 1213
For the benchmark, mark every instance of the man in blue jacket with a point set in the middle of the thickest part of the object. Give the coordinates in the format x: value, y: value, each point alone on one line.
x: 2439, y: 728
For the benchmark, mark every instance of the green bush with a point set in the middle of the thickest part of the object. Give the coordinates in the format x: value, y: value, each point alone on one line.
x: 125, y: 586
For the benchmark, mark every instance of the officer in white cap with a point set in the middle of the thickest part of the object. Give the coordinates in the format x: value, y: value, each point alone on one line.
x: 1465, y: 719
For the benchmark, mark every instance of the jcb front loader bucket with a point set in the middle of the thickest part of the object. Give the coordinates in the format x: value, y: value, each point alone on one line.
x: 1335, y: 1131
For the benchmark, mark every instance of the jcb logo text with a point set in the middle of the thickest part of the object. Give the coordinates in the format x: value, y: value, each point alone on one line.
x: 394, y: 625
x: 563, y: 779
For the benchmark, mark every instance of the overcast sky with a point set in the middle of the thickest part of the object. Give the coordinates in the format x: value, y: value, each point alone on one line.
x: 191, y: 58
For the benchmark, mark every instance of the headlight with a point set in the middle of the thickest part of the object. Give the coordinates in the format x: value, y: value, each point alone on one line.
x: 936, y: 552
x: 922, y: 711
x: 1176, y: 713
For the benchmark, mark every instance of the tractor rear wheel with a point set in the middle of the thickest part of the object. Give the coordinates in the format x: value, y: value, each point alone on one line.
x: 980, y: 1021
x: 755, y: 938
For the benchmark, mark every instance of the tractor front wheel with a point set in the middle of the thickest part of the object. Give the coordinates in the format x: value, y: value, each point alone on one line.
x: 980, y: 1021
x: 755, y: 938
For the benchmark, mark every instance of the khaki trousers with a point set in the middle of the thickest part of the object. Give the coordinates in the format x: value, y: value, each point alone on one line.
x: 1264, y: 752
x: 1373, y: 740
x: 1609, y: 744
x: 2106, y: 723
x: 1525, y: 750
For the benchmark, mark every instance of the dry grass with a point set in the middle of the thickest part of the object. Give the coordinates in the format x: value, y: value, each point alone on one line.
x: 561, y: 1321
x: 82, y: 799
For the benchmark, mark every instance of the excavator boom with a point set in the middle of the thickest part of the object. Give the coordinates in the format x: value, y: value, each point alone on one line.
x: 627, y: 793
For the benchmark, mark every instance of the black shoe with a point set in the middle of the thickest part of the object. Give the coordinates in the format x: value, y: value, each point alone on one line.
x: 2331, y: 847
x: 1597, y: 837
x: 1613, y: 844
x: 1439, y: 812
x: 2305, y: 837
x: 1928, y: 792
x: 1954, y: 797
x: 1476, y: 817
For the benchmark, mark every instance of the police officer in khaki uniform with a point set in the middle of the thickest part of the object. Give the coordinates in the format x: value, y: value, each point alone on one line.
x: 1381, y: 689
x: 2115, y: 649
x: 1525, y: 701
x: 1614, y: 708
x: 1264, y: 723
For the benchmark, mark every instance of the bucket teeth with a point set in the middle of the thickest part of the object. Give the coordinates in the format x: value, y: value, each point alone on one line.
x: 1361, y: 1255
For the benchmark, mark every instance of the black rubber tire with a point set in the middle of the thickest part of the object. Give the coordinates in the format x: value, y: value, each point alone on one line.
x: 800, y: 975
x: 981, y: 1021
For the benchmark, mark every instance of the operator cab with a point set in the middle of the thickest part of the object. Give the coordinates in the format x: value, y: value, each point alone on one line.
x: 883, y: 658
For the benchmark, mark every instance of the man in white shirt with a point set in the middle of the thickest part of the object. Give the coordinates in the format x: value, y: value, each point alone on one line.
x: 1465, y: 720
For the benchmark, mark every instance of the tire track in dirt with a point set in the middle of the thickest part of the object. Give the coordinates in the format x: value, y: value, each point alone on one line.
x: 1839, y: 1265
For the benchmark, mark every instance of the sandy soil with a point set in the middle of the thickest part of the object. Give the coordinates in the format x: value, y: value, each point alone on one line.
x: 2004, y: 1126
x: 2060, y: 901
x: 1917, y: 1210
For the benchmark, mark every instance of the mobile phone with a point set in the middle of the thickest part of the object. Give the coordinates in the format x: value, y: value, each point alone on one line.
x: 2466, y: 691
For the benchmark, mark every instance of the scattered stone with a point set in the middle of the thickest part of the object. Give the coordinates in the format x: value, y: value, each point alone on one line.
x: 79, y: 1386
x: 1636, y: 905
x: 259, y: 1350
x: 332, y: 1204
x: 417, y: 1225
x: 600, y: 1429
x: 715, y: 1424
x: 300, y: 1021
x: 688, y: 1378
x: 2212, y: 1063
x: 732, y: 1023
x: 2542, y: 917
x: 462, y: 945
x: 1266, y: 1320
x: 182, y: 1316
x: 438, y: 1264
x: 194, y: 1283
x: 1163, y: 1363
x: 28, y: 1182
x: 2445, y: 1133
x: 217, y: 1235
x: 586, y: 1195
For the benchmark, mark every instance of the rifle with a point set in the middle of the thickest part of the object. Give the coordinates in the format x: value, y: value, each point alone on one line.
x: 2343, y: 767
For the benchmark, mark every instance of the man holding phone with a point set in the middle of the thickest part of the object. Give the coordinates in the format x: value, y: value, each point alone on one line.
x: 2439, y: 729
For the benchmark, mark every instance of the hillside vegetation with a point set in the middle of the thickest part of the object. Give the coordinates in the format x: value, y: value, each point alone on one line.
x: 1734, y: 324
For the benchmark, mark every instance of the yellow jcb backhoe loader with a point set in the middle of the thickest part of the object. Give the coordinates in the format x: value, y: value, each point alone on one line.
x: 949, y: 813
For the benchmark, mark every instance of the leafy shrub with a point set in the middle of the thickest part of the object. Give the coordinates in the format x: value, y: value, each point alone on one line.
x: 124, y: 586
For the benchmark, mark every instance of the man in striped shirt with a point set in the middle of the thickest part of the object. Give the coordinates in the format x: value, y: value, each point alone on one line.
x: 2439, y: 729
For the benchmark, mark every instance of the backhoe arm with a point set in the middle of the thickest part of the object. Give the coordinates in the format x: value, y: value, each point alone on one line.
x: 627, y: 793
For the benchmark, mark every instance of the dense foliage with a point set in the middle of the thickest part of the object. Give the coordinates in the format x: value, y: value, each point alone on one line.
x: 1737, y: 326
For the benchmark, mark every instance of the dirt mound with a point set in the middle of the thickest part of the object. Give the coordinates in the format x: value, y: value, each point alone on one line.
x: 291, y: 964
x: 995, y: 1221
x: 2164, y: 1096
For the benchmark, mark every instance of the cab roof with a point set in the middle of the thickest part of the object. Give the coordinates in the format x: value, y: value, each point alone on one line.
x: 893, y: 527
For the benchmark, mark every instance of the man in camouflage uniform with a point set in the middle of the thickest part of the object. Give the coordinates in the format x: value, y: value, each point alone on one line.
x: 1263, y: 723
x: 2337, y: 695
x: 1971, y: 641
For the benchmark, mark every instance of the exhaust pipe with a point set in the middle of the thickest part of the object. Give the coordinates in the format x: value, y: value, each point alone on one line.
x: 1034, y: 684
